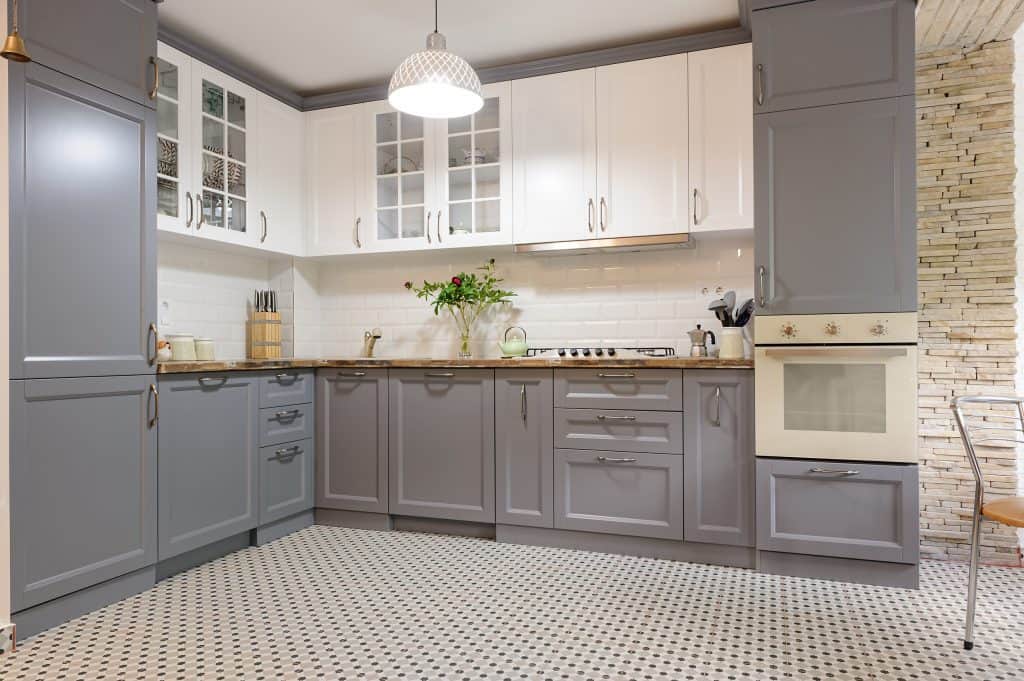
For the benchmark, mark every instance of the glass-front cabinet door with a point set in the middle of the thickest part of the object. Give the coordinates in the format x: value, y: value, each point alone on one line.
x: 224, y: 110
x: 174, y: 207
x: 475, y: 174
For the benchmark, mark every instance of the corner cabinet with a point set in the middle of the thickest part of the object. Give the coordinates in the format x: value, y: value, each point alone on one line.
x: 279, y: 147
x: 334, y: 166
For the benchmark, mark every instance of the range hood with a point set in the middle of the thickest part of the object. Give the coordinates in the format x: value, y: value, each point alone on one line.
x: 610, y: 244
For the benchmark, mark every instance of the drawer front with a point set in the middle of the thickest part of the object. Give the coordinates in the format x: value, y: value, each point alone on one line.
x: 286, y: 424
x: 286, y: 480
x: 626, y: 493
x: 658, y: 432
x: 840, y: 509
x: 286, y: 386
x: 646, y: 389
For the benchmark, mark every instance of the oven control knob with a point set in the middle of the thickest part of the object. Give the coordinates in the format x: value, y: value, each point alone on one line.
x: 789, y: 330
x: 832, y: 329
x: 879, y: 330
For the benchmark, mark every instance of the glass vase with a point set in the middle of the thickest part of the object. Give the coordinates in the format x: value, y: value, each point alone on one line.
x: 464, y: 351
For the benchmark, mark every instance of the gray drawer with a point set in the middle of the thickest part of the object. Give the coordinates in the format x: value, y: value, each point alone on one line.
x: 286, y: 424
x: 840, y: 509
x: 626, y: 493
x: 619, y: 430
x: 286, y: 480
x: 287, y: 386
x: 656, y: 389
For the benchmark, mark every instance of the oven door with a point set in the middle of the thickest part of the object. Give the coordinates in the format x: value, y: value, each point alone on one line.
x: 855, y: 403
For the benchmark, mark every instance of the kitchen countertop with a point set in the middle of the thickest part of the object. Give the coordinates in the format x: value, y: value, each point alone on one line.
x: 454, y: 363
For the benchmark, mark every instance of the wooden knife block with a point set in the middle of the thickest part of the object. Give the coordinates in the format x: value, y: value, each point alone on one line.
x: 265, y: 335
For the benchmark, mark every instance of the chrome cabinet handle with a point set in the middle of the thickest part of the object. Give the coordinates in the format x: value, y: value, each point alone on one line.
x: 590, y: 215
x: 696, y: 220
x: 156, y: 405
x: 352, y: 374
x: 603, y: 219
x: 760, y: 84
x: 200, y: 220
x: 191, y: 209
x: 289, y: 413
x: 359, y: 244
x: 438, y: 226
x: 287, y: 454
x: 429, y: 213
x: 210, y: 381
x: 761, y: 275
x: 622, y: 375
x: 605, y: 417
x: 263, y: 220
x: 439, y: 374
x: 522, y: 401
x: 612, y: 459
x: 283, y: 376
x: 834, y: 471
x: 156, y: 78
x: 717, y: 421
x: 152, y: 332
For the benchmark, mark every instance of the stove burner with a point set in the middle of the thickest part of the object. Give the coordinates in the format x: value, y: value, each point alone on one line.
x: 597, y: 352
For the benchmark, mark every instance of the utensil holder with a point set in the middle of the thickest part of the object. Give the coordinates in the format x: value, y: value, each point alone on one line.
x: 265, y: 335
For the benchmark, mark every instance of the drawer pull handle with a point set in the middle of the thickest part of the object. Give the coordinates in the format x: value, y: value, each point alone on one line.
x: 612, y: 459
x: 282, y: 377
x: 834, y: 471
x: 604, y: 417
x: 351, y: 374
x: 624, y: 375
x: 522, y: 401
x: 287, y: 454
x: 211, y: 381
x: 286, y: 414
x: 717, y: 421
x: 440, y: 374
x: 156, y: 405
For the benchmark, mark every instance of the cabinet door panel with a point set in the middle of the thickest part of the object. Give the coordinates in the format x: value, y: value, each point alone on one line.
x: 286, y: 480
x: 719, y: 459
x: 279, y: 147
x: 175, y: 204
x: 108, y: 43
x: 208, y: 449
x: 286, y: 424
x: 335, y: 162
x: 283, y: 388
x: 619, y: 430
x: 721, y: 149
x: 645, y: 389
x: 642, y: 179
x: 83, y: 229
x: 831, y: 246
x: 83, y: 483
x: 833, y: 51
x: 441, y: 443
x: 554, y: 161
x: 352, y: 440
x: 524, y: 457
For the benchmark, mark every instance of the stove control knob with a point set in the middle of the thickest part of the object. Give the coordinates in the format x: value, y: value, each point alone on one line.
x: 879, y: 329
x: 574, y: 352
x: 611, y: 352
x: 788, y: 330
x: 586, y: 352
x: 599, y: 352
x: 561, y: 352
x: 832, y: 329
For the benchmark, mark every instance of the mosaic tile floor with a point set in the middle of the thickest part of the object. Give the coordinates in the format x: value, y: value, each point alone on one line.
x: 329, y: 603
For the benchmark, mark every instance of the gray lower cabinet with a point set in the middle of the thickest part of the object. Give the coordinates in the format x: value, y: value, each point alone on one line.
x: 286, y: 424
x: 628, y: 493
x: 830, y: 246
x: 619, y: 430
x: 832, y: 51
x: 352, y: 439
x: 108, y: 43
x: 83, y: 227
x: 839, y: 509
x: 287, y: 387
x: 441, y: 443
x: 524, y: 455
x: 286, y: 480
x: 83, y: 483
x: 719, y: 460
x: 657, y: 389
x: 208, y: 454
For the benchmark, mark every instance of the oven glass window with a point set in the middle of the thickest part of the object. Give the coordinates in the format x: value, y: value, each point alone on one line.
x: 834, y: 397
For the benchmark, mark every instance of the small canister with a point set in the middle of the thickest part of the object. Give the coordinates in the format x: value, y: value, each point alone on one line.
x: 183, y: 347
x: 204, y: 349
x: 732, y: 343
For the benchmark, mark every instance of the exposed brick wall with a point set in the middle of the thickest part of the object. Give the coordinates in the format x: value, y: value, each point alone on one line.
x: 967, y: 279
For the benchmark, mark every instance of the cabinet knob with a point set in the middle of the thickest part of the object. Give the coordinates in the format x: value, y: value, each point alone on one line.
x: 788, y: 330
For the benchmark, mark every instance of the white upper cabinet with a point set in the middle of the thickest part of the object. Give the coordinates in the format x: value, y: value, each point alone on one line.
x: 721, y: 139
x: 279, y: 154
x: 554, y: 161
x: 335, y: 164
x: 175, y: 209
x: 642, y: 148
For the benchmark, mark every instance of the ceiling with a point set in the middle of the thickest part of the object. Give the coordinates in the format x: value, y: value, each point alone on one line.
x: 959, y: 23
x: 332, y: 45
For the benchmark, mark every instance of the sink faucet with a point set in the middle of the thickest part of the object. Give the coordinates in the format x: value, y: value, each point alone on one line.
x: 369, y: 340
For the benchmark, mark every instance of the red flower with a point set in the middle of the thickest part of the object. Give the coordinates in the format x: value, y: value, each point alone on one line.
x: 456, y: 281
x: 408, y: 284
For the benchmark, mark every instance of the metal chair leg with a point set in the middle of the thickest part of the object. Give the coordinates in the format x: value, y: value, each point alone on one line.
x: 972, y: 581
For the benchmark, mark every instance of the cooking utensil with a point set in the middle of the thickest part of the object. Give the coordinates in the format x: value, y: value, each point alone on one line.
x: 744, y: 313
x: 699, y: 341
x: 718, y: 307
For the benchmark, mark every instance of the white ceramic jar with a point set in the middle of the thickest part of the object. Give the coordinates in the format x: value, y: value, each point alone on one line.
x: 183, y: 347
x: 204, y: 349
x: 731, y: 343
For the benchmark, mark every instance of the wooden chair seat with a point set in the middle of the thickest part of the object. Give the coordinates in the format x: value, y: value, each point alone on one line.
x: 1009, y: 511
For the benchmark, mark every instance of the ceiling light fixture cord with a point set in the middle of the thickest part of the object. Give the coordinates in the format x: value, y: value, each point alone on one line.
x: 435, y: 16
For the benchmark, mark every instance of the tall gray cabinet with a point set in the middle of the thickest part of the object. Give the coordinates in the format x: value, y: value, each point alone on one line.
x: 834, y: 157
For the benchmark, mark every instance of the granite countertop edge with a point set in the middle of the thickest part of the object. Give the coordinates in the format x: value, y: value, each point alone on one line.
x: 185, y: 367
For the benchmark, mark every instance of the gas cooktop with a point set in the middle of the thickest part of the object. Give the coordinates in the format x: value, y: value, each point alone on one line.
x: 581, y: 352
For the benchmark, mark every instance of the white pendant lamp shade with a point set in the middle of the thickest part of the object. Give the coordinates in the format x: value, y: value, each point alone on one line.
x: 435, y: 83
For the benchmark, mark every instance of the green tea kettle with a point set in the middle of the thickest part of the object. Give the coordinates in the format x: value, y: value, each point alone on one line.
x: 516, y: 345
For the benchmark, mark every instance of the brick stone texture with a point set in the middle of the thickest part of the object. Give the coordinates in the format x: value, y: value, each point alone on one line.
x: 967, y: 256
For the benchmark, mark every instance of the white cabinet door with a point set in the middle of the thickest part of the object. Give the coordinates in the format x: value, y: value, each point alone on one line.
x: 175, y: 209
x: 279, y: 147
x: 642, y: 147
x: 474, y: 174
x: 335, y: 164
x: 554, y: 182
x: 721, y: 139
x: 223, y: 115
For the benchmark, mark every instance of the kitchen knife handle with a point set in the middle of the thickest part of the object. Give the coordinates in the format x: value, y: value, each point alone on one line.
x: 152, y: 332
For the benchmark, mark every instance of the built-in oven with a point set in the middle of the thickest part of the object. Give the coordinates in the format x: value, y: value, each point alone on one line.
x: 841, y: 387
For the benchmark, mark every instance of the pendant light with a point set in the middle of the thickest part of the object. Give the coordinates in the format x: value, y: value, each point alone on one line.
x: 14, y: 47
x: 435, y: 83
